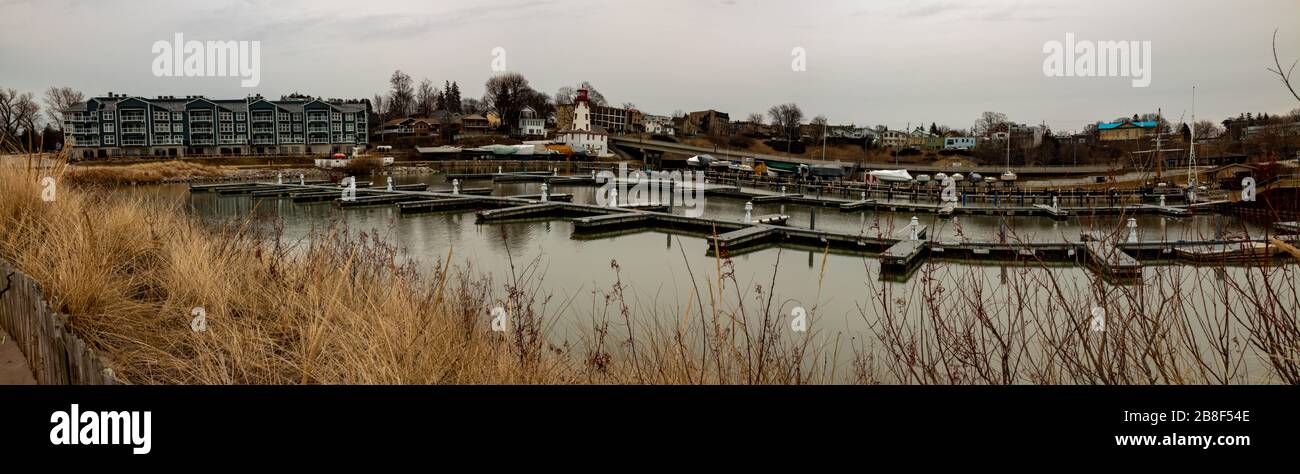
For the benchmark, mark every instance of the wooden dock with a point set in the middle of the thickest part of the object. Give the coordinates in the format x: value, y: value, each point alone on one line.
x: 1054, y: 212
x: 899, y: 253
x: 1109, y: 260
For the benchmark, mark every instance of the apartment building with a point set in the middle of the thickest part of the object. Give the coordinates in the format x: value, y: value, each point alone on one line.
x: 119, y: 125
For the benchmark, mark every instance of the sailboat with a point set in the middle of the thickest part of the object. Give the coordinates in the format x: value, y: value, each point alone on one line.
x: 1008, y: 176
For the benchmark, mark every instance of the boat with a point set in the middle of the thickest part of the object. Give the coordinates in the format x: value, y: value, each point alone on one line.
x: 740, y: 168
x: 922, y: 178
x: 990, y: 179
x: 897, y: 176
x: 940, y: 177
x: 957, y: 177
x: 1008, y: 176
x: 699, y: 161
x: 976, y: 177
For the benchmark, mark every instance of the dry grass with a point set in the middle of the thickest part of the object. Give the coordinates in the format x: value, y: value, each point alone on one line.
x: 142, y: 173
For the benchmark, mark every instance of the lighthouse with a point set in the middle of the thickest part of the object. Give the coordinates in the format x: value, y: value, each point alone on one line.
x: 581, y: 135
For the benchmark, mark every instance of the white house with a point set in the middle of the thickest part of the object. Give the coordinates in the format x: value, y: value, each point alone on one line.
x: 530, y: 125
x: 582, y: 135
x: 657, y: 124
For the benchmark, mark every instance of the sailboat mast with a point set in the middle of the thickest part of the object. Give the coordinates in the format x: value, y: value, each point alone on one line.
x: 1159, y: 161
x: 1191, y: 157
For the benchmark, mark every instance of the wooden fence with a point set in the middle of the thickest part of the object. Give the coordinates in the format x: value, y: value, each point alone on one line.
x: 56, y: 356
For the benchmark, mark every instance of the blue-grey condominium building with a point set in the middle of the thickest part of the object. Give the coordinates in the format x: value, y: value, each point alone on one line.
x: 121, y: 125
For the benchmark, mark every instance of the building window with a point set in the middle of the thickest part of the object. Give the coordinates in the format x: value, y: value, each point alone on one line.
x: 240, y: 127
x: 177, y: 116
x: 336, y: 116
x: 160, y: 115
x: 108, y: 115
x: 110, y: 140
x: 108, y: 127
x: 284, y: 116
x: 225, y: 116
x: 297, y: 117
x: 225, y: 127
x: 239, y: 116
x: 178, y: 127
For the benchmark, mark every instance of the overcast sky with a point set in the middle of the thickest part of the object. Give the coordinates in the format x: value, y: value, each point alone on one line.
x: 868, y: 62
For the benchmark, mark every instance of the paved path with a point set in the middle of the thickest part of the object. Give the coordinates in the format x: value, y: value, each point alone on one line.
x: 13, y: 366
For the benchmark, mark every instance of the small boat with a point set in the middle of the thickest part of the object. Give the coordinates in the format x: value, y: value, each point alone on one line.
x: 976, y: 177
x: 990, y: 179
x: 940, y: 177
x: 1008, y: 176
x: 957, y: 177
x: 922, y: 178
x: 740, y: 168
x: 699, y: 161
x: 897, y: 176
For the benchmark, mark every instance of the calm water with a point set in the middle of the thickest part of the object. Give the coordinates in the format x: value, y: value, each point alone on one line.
x: 658, y: 268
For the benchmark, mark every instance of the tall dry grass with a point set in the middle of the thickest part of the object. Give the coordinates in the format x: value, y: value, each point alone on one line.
x: 142, y: 173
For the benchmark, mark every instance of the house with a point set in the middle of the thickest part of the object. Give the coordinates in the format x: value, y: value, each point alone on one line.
x: 894, y: 138
x: 1126, y: 130
x: 657, y: 124
x: 474, y: 124
x: 531, y: 124
x: 170, y: 126
x: 958, y: 143
x: 706, y: 122
x: 1229, y: 176
x: 582, y: 135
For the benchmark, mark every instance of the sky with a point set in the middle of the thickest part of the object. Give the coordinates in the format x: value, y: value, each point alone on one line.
x: 885, y: 62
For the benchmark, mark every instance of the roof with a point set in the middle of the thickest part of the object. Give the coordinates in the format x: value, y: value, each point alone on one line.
x: 595, y: 130
x: 1114, y: 125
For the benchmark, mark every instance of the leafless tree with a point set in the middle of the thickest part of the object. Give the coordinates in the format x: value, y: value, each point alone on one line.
x: 58, y: 100
x: 426, y: 97
x: 989, y: 122
x: 401, y: 95
x: 1206, y: 129
x: 755, y: 118
x: 787, y: 117
x: 819, y: 125
x: 379, y: 107
x: 470, y: 105
x: 1277, y: 69
x: 508, y: 93
x: 17, y: 111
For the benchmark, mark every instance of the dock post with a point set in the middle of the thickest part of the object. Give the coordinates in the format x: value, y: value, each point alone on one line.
x: 455, y: 186
x: 390, y: 183
x: 1054, y: 203
x: 555, y: 171
x: 279, y: 178
x: 812, y: 219
x: 783, y: 190
x: 613, y: 197
x: 749, y: 209
x: 545, y: 193
x: 864, y: 195
x: 301, y: 180
x: 499, y: 170
x: 1162, y: 200
x: 913, y: 225
x: 1132, y: 230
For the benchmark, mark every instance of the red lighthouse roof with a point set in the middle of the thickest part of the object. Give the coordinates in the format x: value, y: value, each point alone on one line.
x: 582, y: 96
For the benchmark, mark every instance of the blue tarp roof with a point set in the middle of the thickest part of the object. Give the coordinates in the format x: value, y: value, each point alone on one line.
x: 1108, y: 126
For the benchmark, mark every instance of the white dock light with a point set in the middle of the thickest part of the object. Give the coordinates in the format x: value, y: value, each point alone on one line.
x: 749, y: 209
x: 1162, y: 200
x: 279, y: 178
x: 302, y: 181
x: 455, y: 186
x: 1132, y: 230
x: 545, y: 193
x: 915, y: 228
x: 613, y: 197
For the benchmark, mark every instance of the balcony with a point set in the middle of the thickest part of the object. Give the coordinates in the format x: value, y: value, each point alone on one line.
x: 201, y: 141
x: 133, y: 130
x: 200, y: 118
x: 263, y: 141
x: 318, y: 130
x: 317, y: 118
x: 233, y: 141
x: 263, y: 118
x: 132, y: 117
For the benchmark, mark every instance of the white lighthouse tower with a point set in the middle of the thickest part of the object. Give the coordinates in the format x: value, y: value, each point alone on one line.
x: 582, y: 135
